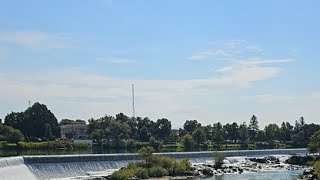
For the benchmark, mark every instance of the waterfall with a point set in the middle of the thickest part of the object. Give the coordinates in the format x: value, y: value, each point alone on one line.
x: 14, y: 168
x: 62, y: 166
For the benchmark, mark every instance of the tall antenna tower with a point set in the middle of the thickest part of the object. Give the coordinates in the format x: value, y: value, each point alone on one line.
x: 133, y: 108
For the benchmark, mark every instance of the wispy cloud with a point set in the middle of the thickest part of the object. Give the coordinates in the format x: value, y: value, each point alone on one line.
x: 269, y: 98
x: 232, y: 49
x: 210, y: 53
x: 35, y: 39
x: 247, y: 71
x: 116, y: 60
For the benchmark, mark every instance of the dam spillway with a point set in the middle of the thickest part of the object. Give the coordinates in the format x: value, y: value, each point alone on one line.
x: 61, y: 166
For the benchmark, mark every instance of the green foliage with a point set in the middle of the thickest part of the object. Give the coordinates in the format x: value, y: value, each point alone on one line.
x: 49, y: 145
x: 32, y: 122
x: 316, y: 166
x: 141, y: 173
x: 191, y: 125
x: 69, y: 121
x: 154, y: 143
x: 218, y: 159
x: 81, y: 145
x: 314, y: 143
x: 122, y: 174
x: 10, y: 134
x: 144, y: 134
x: 146, y: 152
x: 199, y: 136
x: 154, y: 166
x: 157, y: 171
x: 272, y: 132
x: 163, y: 129
x: 188, y: 141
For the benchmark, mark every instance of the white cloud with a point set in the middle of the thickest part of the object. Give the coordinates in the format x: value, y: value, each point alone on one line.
x: 230, y: 50
x: 34, y: 39
x: 246, y: 72
x: 269, y: 98
x: 117, y: 60
x: 210, y: 53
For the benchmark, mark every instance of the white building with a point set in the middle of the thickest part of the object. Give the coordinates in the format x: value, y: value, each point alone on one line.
x: 79, y: 131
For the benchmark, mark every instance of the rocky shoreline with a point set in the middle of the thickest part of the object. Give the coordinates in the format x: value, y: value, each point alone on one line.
x: 236, y: 165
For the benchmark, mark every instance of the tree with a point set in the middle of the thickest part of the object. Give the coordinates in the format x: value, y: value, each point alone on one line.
x: 253, y: 128
x: 217, y: 133
x: 48, y: 132
x: 174, y: 136
x: 32, y: 121
x: 243, y: 132
x: 191, y: 125
x: 69, y: 135
x: 234, y: 131
x: 144, y: 134
x: 163, y: 129
x: 11, y: 134
x: 199, y: 136
x: 218, y: 159
x: 314, y: 143
x: 188, y: 141
x: 272, y: 132
x: 285, y: 131
x: 14, y: 119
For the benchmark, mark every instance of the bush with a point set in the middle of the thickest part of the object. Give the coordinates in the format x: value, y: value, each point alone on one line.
x: 122, y: 174
x: 82, y: 145
x: 188, y: 142
x: 146, y: 151
x: 218, y: 159
x: 158, y: 171
x: 316, y: 166
x: 141, y: 173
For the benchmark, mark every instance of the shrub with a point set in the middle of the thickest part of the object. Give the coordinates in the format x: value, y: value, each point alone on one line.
x: 122, y: 174
x: 188, y: 142
x: 218, y: 159
x: 316, y: 166
x: 82, y: 145
x: 141, y: 173
x: 158, y: 171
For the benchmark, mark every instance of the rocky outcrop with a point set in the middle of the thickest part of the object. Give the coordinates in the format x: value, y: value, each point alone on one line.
x: 300, y: 160
x: 267, y: 159
x: 308, y: 174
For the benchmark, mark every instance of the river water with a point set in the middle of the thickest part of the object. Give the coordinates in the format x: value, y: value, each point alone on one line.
x: 268, y: 175
x: 43, y: 167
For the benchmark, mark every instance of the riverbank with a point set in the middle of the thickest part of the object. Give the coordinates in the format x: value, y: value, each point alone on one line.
x: 245, y: 167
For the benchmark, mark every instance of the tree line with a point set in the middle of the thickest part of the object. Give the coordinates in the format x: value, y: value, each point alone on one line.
x: 39, y: 123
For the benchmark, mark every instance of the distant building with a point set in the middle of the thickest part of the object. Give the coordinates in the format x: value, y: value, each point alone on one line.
x: 79, y: 131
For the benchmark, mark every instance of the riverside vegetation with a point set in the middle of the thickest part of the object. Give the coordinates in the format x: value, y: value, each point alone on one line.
x: 38, y: 128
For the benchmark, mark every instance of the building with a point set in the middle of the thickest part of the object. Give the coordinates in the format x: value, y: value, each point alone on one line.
x: 78, y: 131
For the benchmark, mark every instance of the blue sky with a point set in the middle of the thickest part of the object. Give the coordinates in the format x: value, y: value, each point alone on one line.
x: 206, y: 60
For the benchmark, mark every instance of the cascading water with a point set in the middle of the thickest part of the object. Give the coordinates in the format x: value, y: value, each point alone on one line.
x: 14, y: 168
x: 61, y: 166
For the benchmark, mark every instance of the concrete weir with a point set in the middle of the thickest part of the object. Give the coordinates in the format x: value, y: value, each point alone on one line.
x: 61, y: 166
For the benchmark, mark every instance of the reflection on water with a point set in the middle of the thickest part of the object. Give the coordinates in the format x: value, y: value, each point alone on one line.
x: 271, y: 175
x: 13, y: 152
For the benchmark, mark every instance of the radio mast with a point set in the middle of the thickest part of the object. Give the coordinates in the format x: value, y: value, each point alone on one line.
x: 133, y: 108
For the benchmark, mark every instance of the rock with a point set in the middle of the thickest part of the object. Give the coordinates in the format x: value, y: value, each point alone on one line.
x: 300, y: 160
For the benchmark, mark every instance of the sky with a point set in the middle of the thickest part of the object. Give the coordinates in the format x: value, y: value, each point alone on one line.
x: 205, y: 60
